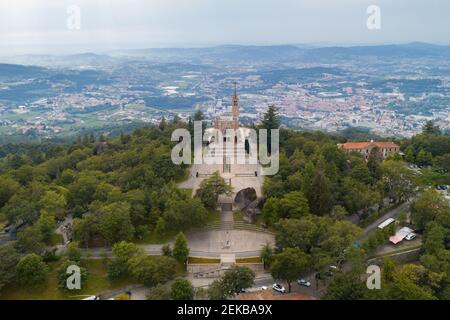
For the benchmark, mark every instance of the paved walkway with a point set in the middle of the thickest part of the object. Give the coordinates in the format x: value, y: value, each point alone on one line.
x: 209, y: 244
x: 213, y: 243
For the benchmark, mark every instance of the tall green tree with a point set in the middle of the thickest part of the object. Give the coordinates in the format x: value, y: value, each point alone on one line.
x: 8, y: 187
x: 182, y: 289
x: 374, y: 161
x: 9, y: 258
x: 231, y: 283
x: 216, y: 292
x: 346, y: 286
x: 32, y: 272
x: 237, y: 278
x: 270, y: 211
x: 30, y: 241
x: 321, y: 198
x: 266, y: 255
x: 159, y: 292
x: 296, y: 233
x: 425, y: 208
x: 198, y: 115
x: 181, y: 249
x: 424, y: 158
x: 289, y: 265
x: 410, y: 154
x: 85, y: 229
x: 62, y: 275
x: 271, y: 120
x: 54, y: 203
x: 150, y: 271
x: 115, y: 222
x: 46, y: 224
x: 398, y: 180
x: 73, y: 253
x: 210, y: 189
x: 430, y: 128
x: 163, y: 124
x: 122, y: 252
x: 294, y: 205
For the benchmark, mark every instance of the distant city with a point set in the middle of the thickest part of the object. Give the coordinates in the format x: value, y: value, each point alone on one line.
x: 388, y: 90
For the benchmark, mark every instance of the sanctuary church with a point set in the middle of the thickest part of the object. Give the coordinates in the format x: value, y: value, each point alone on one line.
x: 235, y: 169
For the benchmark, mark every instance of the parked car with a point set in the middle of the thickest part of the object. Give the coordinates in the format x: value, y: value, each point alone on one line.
x: 263, y: 288
x: 279, y: 288
x: 304, y: 283
x: 410, y: 236
x: 331, y: 270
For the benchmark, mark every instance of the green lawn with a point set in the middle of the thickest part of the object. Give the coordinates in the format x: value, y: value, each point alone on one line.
x: 155, y: 238
x: 249, y: 260
x: 213, y: 216
x: 56, y: 239
x: 203, y: 260
x: 96, y: 283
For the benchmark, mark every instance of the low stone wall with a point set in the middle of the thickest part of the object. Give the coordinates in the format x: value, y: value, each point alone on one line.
x: 256, y: 267
x: 202, y: 267
x: 215, y: 270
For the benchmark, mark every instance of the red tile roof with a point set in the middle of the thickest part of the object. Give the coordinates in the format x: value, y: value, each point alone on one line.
x: 367, y: 144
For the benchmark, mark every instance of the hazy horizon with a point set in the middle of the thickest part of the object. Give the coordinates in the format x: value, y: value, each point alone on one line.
x: 41, y: 26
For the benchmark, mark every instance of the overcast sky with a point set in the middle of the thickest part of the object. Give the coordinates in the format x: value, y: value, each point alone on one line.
x: 40, y: 26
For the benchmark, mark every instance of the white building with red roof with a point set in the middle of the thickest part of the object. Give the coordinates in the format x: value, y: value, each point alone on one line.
x: 385, y: 147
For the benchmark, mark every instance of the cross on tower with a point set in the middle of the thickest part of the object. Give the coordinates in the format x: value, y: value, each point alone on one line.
x: 235, y: 107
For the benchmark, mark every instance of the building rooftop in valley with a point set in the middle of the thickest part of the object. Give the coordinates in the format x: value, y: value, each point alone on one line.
x: 385, y: 148
x: 368, y: 144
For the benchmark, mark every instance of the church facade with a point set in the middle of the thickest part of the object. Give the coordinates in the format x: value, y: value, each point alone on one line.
x: 237, y: 174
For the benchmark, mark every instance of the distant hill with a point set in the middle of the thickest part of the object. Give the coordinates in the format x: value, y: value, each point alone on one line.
x: 410, y: 50
x: 240, y: 53
x: 282, y: 53
x: 225, y: 52
x: 87, y: 59
x: 14, y: 71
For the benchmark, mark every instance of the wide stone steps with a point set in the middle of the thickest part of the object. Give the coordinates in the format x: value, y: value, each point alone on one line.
x: 236, y: 225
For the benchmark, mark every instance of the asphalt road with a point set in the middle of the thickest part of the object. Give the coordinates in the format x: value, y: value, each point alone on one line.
x: 390, y: 214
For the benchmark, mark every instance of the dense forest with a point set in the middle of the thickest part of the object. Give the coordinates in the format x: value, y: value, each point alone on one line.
x: 319, y: 187
x: 122, y: 190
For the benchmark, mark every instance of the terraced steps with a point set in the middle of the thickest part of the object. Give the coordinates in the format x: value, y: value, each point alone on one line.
x: 236, y: 225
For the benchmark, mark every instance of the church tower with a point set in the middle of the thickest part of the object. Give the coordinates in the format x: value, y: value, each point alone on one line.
x: 229, y: 120
x: 235, y: 108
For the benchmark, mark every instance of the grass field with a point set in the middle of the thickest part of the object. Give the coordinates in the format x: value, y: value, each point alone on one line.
x: 249, y: 260
x: 203, y: 260
x: 96, y: 283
